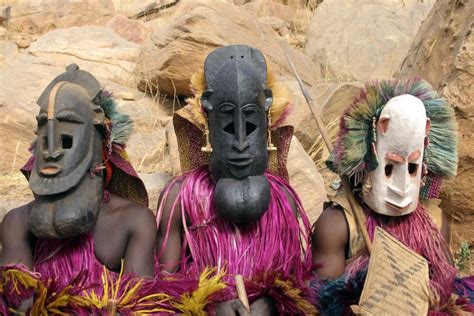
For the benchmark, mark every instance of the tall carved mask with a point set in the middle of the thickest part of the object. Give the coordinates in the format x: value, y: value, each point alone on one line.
x: 401, y: 131
x: 68, y: 147
x: 237, y: 103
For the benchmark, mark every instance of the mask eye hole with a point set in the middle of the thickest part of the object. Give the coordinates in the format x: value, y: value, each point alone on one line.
x: 388, y: 170
x: 249, y: 128
x: 412, y: 169
x: 230, y: 129
x: 66, y: 141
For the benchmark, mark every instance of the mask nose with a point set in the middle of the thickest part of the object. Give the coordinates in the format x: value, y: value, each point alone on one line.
x: 53, y: 153
x: 240, y: 142
x: 53, y: 156
x: 401, y: 185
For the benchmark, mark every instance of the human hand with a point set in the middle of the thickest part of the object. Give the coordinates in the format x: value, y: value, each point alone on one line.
x: 25, y: 305
x: 234, y: 307
x: 264, y: 306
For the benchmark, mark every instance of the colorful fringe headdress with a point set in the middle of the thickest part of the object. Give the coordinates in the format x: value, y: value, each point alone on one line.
x: 120, y: 176
x: 353, y: 152
x: 190, y: 124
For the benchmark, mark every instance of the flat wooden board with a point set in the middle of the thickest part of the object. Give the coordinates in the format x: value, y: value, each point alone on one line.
x: 397, y: 281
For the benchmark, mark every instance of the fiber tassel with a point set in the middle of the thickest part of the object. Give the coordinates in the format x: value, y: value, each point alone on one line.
x: 126, y: 294
x: 17, y: 283
x: 195, y: 303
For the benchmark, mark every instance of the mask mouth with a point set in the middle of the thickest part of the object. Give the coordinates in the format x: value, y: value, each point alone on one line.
x: 400, y: 207
x: 50, y: 170
x: 240, y: 162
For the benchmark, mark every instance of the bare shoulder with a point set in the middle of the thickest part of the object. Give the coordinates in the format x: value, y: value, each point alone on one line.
x: 130, y: 213
x: 17, y: 240
x: 16, y: 219
x: 331, y: 230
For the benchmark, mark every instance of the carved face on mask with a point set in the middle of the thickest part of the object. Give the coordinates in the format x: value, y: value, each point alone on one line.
x: 65, y: 143
x: 237, y: 104
x: 395, y: 183
x: 68, y: 145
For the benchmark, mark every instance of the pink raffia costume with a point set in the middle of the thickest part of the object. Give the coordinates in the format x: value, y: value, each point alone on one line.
x: 397, y: 141
x: 66, y: 276
x: 269, y: 249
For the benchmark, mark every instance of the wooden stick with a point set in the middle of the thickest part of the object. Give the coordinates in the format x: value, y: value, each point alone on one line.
x: 241, y: 293
x: 355, y: 206
x: 112, y: 308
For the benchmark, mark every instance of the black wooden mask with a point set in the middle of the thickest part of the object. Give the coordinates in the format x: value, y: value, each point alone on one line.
x: 68, y: 194
x: 237, y: 102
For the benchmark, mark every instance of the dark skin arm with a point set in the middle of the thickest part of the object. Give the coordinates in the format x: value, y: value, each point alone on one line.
x: 17, y: 241
x: 330, y: 238
x: 126, y: 230
x: 171, y: 254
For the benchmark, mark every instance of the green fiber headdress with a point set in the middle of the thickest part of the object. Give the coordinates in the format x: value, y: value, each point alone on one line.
x: 354, y: 150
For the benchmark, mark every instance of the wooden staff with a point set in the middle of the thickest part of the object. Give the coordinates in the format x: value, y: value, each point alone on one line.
x: 112, y: 307
x: 241, y: 293
x: 355, y: 206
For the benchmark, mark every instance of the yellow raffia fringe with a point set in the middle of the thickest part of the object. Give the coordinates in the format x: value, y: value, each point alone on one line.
x: 17, y: 278
x: 194, y: 304
x: 281, y: 99
x: 61, y: 300
x: 129, y: 298
x: 294, y: 294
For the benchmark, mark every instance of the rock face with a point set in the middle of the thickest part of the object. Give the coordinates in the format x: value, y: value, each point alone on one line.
x: 32, y: 18
x: 154, y: 182
x: 363, y: 39
x: 443, y: 54
x: 306, y: 180
x: 131, y: 30
x: 176, y: 51
x: 131, y: 8
x: 331, y: 98
x: 97, y: 49
x: 8, y: 51
x: 269, y: 8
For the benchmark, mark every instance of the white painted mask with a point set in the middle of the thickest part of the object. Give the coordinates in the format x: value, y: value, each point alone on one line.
x: 395, y: 183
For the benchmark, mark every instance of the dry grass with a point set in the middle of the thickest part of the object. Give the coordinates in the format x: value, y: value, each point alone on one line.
x: 15, y: 188
x: 318, y: 149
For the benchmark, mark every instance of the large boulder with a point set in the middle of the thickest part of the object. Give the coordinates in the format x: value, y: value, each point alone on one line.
x: 443, y: 54
x: 132, y: 8
x: 31, y: 19
x: 306, y: 180
x: 177, y: 50
x: 97, y: 49
x: 8, y: 51
x: 331, y: 99
x: 131, y: 30
x: 363, y: 39
x: 154, y: 182
x: 269, y: 8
